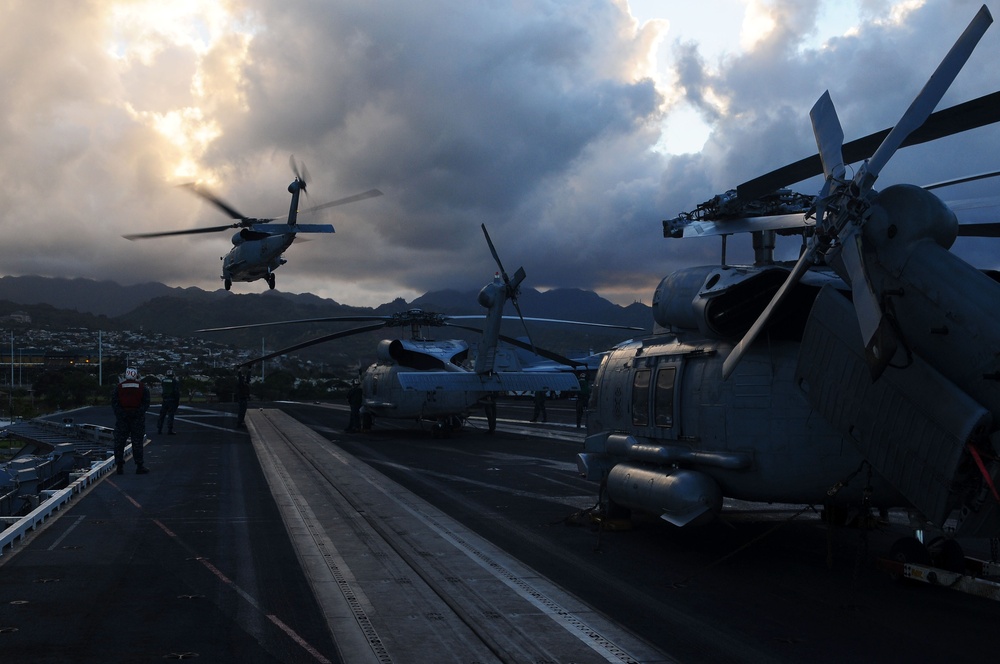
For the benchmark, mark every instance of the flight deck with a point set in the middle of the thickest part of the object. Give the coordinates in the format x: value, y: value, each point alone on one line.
x: 271, y: 544
x: 293, y: 541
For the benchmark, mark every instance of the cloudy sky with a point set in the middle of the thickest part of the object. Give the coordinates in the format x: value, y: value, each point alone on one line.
x: 570, y: 128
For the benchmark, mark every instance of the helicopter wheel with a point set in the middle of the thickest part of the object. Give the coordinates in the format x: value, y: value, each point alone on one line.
x: 441, y: 428
x: 909, y: 550
x: 949, y: 556
x: 228, y: 284
x: 270, y: 281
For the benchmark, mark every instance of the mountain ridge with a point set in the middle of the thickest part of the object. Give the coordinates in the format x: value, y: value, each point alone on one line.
x: 181, y: 312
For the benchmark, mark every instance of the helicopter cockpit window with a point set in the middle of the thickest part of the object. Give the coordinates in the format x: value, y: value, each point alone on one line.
x: 640, y: 398
x: 663, y: 405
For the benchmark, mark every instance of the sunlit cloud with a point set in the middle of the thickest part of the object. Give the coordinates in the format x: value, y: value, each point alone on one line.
x: 142, y: 33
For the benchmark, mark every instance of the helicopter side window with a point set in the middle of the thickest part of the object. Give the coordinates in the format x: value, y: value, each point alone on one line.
x: 640, y: 398
x: 663, y: 406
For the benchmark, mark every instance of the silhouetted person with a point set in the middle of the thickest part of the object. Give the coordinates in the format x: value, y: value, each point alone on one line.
x: 242, y: 396
x: 540, y: 406
x: 171, y: 400
x: 130, y: 400
x: 582, y: 399
x: 355, y: 398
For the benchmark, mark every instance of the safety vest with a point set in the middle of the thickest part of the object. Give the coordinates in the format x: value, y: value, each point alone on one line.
x: 130, y: 394
x: 170, y: 390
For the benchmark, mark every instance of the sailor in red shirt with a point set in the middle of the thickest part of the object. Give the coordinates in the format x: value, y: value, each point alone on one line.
x: 130, y: 400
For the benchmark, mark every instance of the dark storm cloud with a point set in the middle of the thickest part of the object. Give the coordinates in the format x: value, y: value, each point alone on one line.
x: 533, y: 117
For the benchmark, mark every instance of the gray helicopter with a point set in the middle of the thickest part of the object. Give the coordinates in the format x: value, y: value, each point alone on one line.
x: 863, y: 377
x: 422, y: 379
x: 259, y: 245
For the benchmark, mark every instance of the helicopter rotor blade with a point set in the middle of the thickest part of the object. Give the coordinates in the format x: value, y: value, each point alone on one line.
x: 555, y: 357
x: 547, y: 354
x: 804, y: 262
x: 496, y: 257
x: 980, y: 230
x: 876, y: 334
x: 301, y: 174
x: 829, y: 136
x: 953, y: 120
x: 931, y: 94
x: 962, y: 180
x: 215, y: 200
x: 512, y: 285
x: 189, y: 231
x: 371, y: 193
x: 313, y: 342
x: 517, y: 308
x: 326, y: 319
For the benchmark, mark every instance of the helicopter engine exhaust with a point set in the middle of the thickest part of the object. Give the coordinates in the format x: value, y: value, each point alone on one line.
x: 680, y: 496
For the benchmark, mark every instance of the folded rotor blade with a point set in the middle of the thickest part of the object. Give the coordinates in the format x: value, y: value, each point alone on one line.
x: 875, y: 330
x: 829, y: 139
x: 962, y: 180
x: 932, y: 92
x: 547, y: 354
x: 805, y: 260
x: 968, y: 115
x: 493, y: 250
x: 876, y: 334
x: 555, y: 357
x: 829, y: 136
x: 979, y: 230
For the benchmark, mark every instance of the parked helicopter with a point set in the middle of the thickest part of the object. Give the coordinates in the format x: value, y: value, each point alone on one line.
x: 259, y: 245
x: 875, y: 380
x: 423, y: 379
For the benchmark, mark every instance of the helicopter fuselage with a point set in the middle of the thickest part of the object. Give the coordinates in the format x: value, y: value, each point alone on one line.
x: 803, y: 419
x: 254, y: 256
x: 428, y: 380
x: 659, y: 414
x: 385, y: 396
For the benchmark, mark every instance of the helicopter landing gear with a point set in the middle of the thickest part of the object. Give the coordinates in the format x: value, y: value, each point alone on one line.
x: 490, y: 408
x: 444, y: 427
x: 228, y: 283
x: 270, y: 281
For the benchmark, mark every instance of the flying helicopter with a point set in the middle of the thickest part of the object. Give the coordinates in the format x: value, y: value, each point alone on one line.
x: 259, y: 245
x: 862, y: 377
x: 425, y: 379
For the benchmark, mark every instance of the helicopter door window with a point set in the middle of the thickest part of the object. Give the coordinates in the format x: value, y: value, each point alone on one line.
x: 663, y: 406
x: 640, y: 398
